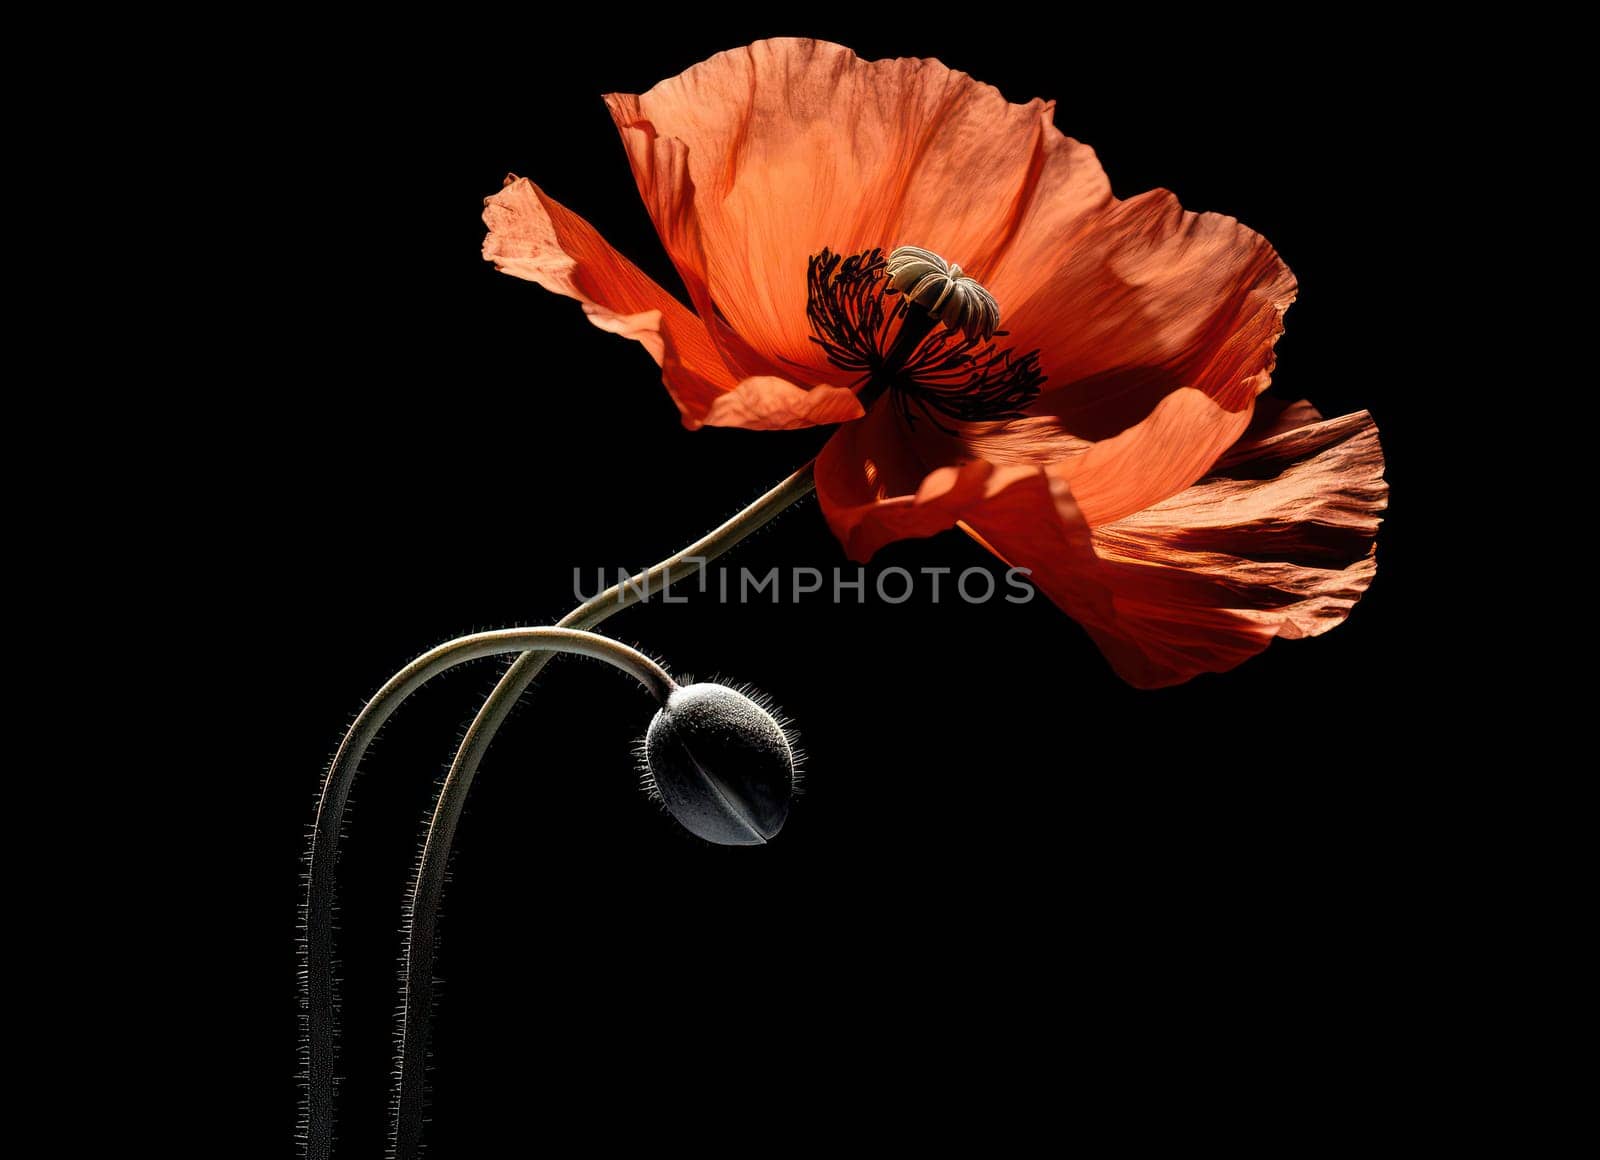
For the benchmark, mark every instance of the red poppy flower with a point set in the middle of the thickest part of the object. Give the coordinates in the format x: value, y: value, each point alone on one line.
x: 1109, y: 438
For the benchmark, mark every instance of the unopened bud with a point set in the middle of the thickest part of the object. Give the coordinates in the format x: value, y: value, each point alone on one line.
x: 722, y: 765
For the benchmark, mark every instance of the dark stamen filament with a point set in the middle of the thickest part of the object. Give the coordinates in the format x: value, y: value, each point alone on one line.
x: 863, y: 325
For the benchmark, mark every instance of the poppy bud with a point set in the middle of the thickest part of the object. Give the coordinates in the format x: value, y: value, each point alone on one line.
x: 722, y: 765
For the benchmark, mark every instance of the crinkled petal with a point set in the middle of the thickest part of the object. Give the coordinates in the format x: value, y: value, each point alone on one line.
x: 873, y: 490
x: 767, y: 403
x: 1150, y: 298
x: 882, y: 463
x: 1168, y: 450
x: 533, y: 236
x: 1156, y: 328
x: 758, y: 158
x: 1276, y: 541
x: 1186, y: 433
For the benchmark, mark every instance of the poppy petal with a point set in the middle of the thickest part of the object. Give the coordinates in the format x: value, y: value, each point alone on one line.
x: 1169, y: 449
x: 1145, y: 300
x: 533, y: 236
x: 873, y: 490
x: 661, y: 171
x: 758, y: 158
x: 1276, y: 541
x: 767, y: 403
x: 1155, y: 459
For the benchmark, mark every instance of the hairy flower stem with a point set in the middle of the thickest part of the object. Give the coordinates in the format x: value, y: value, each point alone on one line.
x: 318, y: 941
x: 417, y: 965
x: 317, y: 974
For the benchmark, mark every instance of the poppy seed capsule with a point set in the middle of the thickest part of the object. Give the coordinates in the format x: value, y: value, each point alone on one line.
x: 956, y: 299
x: 722, y: 765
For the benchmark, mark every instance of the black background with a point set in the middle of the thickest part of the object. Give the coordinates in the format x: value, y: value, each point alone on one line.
x: 1000, y: 842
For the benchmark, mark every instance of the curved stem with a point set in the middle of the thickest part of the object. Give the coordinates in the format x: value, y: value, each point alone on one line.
x: 318, y: 938
x: 417, y: 974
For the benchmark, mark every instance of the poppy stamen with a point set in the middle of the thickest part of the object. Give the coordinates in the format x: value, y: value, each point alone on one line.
x: 879, y: 318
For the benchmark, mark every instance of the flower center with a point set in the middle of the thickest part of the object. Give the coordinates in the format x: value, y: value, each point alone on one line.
x: 880, y: 317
